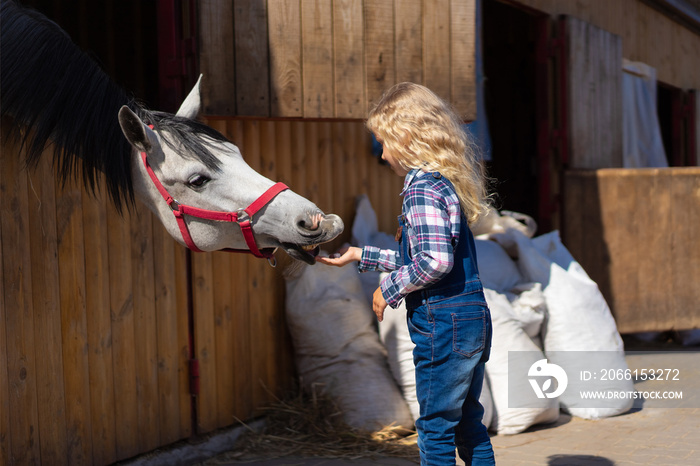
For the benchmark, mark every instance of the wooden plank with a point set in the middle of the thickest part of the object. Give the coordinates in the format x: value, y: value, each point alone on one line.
x: 348, y: 59
x: 216, y: 58
x: 463, y: 58
x: 21, y: 379
x: 284, y: 26
x: 697, y: 121
x: 595, y: 106
x: 224, y: 338
x: 325, y: 165
x: 628, y: 30
x: 47, y: 314
x: 436, y: 46
x: 283, y: 152
x: 343, y: 198
x: 99, y: 328
x: 142, y: 275
x: 620, y: 222
x: 594, y: 253
x: 242, y: 337
x: 380, y: 66
x: 574, y: 229
x: 71, y: 261
x: 408, y: 40
x: 311, y: 160
x: 5, y: 446
x: 183, y: 297
x: 204, y: 339
x: 685, y: 253
x: 580, y: 105
x: 317, y: 58
x: 613, y: 100
x: 251, y: 58
x: 653, y: 245
x: 298, y: 144
x: 167, y: 312
x: 270, y: 300
x: 123, y: 341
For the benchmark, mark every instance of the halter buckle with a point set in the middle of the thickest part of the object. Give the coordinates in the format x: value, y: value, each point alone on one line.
x: 174, y: 205
x: 242, y: 216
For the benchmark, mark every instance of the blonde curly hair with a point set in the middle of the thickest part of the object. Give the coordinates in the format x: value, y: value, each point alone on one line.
x: 424, y: 132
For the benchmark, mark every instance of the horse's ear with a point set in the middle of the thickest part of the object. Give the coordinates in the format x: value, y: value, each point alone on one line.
x: 135, y: 131
x: 190, y: 107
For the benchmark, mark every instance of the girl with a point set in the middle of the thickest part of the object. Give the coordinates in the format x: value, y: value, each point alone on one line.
x: 435, y: 269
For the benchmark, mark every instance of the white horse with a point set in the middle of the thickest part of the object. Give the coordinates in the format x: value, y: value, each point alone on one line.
x: 188, y: 174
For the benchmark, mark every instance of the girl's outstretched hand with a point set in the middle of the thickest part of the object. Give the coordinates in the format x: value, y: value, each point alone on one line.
x: 344, y: 256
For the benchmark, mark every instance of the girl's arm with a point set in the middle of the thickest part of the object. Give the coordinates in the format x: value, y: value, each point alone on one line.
x: 369, y: 257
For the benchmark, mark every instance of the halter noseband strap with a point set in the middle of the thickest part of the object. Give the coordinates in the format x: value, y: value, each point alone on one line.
x: 243, y: 217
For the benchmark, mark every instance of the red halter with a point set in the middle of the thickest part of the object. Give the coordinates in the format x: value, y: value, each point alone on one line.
x: 242, y: 217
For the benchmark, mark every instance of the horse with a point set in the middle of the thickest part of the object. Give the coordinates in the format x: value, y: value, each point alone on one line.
x: 189, y: 175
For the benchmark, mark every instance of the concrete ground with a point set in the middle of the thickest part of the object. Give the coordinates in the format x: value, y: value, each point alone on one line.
x: 645, y: 435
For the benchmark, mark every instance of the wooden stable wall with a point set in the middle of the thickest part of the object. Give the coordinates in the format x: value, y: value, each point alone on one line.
x: 647, y: 35
x: 93, y: 325
x: 332, y: 59
x: 636, y: 234
x: 94, y: 331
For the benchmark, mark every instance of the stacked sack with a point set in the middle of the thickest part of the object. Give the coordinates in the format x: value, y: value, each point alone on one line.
x: 337, y: 347
x: 543, y: 306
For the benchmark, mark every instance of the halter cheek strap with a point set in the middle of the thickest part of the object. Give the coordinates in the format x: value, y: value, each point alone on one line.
x: 243, y: 217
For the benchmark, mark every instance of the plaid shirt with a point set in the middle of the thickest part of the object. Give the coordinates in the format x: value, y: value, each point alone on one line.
x: 432, y: 211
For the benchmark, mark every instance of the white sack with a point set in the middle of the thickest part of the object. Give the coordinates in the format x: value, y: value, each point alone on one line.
x: 486, y: 401
x: 393, y: 332
x: 578, y: 320
x: 337, y: 346
x: 509, y: 335
x: 365, y: 231
x: 494, y: 222
x: 529, y: 307
x: 496, y: 269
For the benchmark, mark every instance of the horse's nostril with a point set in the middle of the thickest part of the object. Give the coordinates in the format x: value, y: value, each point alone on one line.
x: 309, y: 222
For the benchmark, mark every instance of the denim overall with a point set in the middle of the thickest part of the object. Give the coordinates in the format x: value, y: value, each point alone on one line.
x: 450, y: 324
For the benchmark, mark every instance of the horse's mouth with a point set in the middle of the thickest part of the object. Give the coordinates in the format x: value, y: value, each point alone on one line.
x: 303, y: 253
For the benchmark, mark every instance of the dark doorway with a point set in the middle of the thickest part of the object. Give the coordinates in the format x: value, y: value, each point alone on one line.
x: 509, y: 44
x: 121, y: 36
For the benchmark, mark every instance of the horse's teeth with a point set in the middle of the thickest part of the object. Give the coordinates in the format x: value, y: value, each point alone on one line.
x: 310, y: 247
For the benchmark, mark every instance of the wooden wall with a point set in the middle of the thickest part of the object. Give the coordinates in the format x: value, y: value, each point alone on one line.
x: 94, y: 324
x: 635, y: 233
x: 332, y: 59
x: 647, y: 35
x: 594, y: 96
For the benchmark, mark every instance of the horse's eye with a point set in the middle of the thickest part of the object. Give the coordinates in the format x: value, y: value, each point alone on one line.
x: 197, y: 181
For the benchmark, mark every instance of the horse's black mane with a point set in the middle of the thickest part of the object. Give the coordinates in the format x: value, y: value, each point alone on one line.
x: 56, y: 93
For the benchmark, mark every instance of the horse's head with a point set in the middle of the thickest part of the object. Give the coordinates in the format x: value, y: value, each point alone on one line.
x: 200, y: 168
